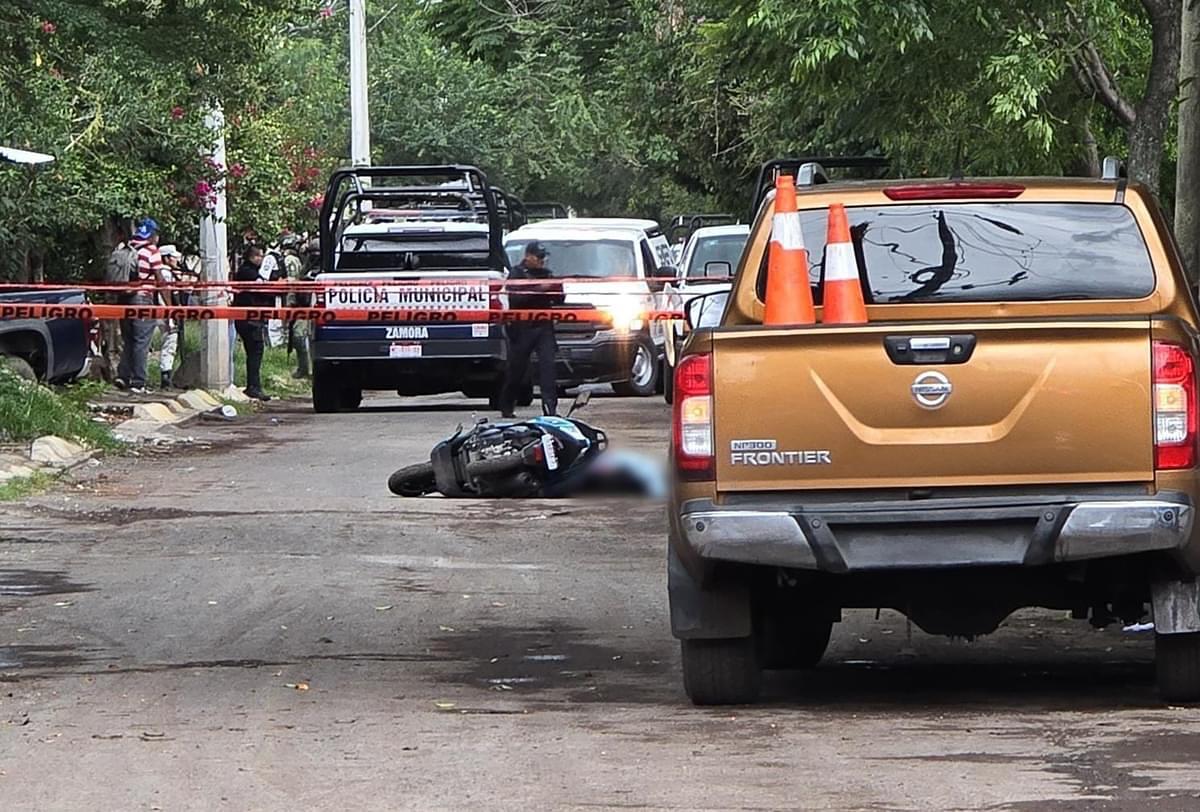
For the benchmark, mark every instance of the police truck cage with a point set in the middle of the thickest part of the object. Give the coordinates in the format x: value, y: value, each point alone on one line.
x: 812, y: 171
x: 399, y: 194
x: 512, y: 210
x: 684, y: 224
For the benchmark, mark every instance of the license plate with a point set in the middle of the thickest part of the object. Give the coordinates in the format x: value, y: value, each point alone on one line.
x: 404, y: 351
x: 550, y: 451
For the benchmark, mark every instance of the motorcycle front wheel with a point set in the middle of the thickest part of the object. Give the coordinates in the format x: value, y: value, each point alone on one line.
x: 413, y: 480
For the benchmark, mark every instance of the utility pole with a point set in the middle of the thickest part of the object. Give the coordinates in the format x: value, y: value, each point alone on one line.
x: 215, y: 371
x: 360, y: 117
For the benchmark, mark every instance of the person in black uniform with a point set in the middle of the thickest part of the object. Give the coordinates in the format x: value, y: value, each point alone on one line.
x: 526, y: 338
x: 252, y: 333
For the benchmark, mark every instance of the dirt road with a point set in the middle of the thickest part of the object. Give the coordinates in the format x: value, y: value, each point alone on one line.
x: 262, y: 626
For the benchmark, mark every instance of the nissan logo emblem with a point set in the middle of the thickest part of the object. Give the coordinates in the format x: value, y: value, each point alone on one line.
x: 931, y: 390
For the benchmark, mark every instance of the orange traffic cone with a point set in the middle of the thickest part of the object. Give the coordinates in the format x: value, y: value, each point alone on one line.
x: 843, y: 296
x: 789, y: 298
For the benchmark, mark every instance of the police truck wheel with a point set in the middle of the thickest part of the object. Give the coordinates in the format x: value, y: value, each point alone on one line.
x: 1177, y: 663
x: 413, y: 480
x: 643, y: 371
x: 326, y: 390
x: 721, y: 672
x: 18, y: 366
x: 350, y: 398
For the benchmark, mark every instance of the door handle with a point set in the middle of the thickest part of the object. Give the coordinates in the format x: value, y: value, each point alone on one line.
x: 922, y: 350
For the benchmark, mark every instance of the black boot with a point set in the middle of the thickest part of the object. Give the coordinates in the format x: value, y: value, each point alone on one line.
x: 165, y: 380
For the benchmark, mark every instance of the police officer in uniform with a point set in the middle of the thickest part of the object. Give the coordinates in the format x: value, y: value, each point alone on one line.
x: 527, y: 338
x: 290, y: 245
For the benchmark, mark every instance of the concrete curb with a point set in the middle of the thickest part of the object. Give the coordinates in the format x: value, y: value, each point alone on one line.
x: 45, y: 453
x: 147, y: 425
x: 150, y: 418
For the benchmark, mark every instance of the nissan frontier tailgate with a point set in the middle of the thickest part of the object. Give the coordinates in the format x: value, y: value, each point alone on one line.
x: 917, y: 405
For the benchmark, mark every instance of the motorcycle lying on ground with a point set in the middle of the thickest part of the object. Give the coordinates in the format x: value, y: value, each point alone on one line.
x: 539, y: 457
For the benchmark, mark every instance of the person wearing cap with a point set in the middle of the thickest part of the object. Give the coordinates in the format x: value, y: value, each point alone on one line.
x: 253, y: 333
x: 527, y: 338
x: 137, y: 333
x: 171, y: 330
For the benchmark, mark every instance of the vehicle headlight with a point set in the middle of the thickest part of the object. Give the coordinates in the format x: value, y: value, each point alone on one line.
x: 626, y: 312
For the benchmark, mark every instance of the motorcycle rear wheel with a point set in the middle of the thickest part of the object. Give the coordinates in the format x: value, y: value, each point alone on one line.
x: 413, y: 480
x: 493, y: 466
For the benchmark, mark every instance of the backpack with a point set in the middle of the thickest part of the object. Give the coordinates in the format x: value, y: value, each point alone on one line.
x: 122, y: 265
x: 280, y: 271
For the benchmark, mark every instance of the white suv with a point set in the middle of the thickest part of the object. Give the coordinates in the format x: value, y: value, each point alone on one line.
x: 611, y: 264
x: 710, y: 259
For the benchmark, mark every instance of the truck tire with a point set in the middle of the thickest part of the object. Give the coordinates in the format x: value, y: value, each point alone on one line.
x: 644, y: 371
x: 722, y: 671
x: 413, y: 480
x: 787, y: 642
x: 18, y: 366
x: 326, y: 390
x: 351, y: 398
x: 1177, y: 665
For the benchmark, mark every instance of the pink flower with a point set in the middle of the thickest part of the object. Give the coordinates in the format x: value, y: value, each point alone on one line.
x: 48, y: 27
x: 178, y: 112
x: 238, y: 170
x: 317, y: 202
x: 203, y: 188
x: 326, y: 12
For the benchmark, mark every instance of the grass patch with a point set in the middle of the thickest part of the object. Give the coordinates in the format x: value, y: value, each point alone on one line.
x: 29, y: 410
x: 21, y: 486
x: 276, y: 373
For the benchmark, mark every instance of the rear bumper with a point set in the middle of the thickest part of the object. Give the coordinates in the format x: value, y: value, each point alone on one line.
x: 486, y: 348
x: 900, y: 535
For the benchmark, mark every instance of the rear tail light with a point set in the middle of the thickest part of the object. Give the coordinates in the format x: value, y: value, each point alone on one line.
x: 1175, y: 407
x: 693, y: 423
x: 954, y: 190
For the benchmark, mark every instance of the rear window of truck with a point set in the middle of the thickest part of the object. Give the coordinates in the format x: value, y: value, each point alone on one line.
x: 413, y: 250
x: 988, y: 252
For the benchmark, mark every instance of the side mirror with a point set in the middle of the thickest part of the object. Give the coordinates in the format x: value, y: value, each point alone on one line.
x: 718, y: 269
x: 705, y: 310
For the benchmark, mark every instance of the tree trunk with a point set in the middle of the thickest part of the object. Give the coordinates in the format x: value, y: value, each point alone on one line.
x: 1087, y: 162
x: 1187, y: 178
x: 1148, y: 133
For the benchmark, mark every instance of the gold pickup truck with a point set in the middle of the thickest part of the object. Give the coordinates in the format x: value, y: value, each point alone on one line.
x: 1015, y: 426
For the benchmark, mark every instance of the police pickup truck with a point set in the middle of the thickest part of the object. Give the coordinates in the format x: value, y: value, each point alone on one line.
x: 420, y: 238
